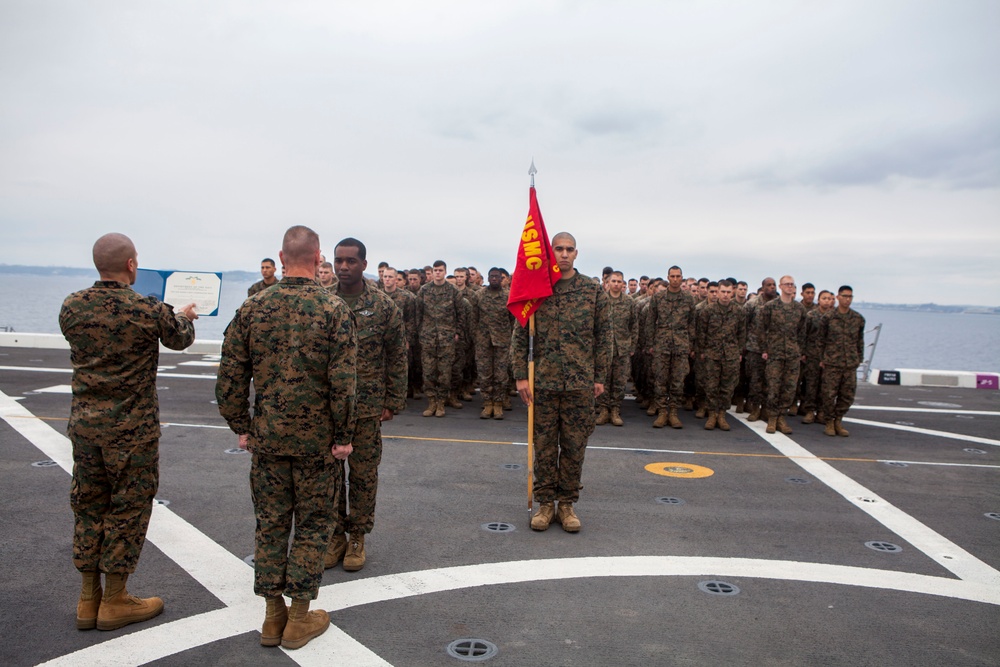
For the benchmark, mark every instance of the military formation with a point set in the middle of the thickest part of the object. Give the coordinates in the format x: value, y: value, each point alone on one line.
x: 314, y: 362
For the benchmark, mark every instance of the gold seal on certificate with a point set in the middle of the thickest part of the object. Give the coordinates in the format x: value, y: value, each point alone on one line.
x: 179, y: 288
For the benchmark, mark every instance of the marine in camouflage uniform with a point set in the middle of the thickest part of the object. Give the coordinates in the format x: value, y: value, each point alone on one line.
x: 572, y: 351
x: 755, y: 365
x: 114, y: 335
x: 842, y: 349
x: 297, y: 344
x: 697, y: 371
x: 465, y: 352
x: 492, y: 324
x: 624, y: 337
x: 720, y: 340
x: 407, y: 304
x: 267, y: 269
x: 670, y: 327
x: 440, y: 318
x: 809, y: 383
x: 381, y: 391
x: 781, y: 332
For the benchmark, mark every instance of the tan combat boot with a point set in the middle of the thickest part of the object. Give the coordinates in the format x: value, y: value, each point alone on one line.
x: 334, y: 552
x: 275, y: 618
x: 713, y: 419
x: 602, y: 417
x: 675, y: 421
x: 661, y: 419
x: 721, y: 421
x: 689, y: 404
x: 487, y: 410
x: 830, y: 429
x: 652, y: 409
x: 543, y: 517
x: 354, y: 558
x: 431, y: 407
x: 303, y: 625
x: 439, y: 408
x: 740, y: 404
x: 118, y: 608
x: 90, y: 601
x: 616, y: 417
x: 498, y: 410
x: 506, y: 403
x: 838, y: 426
x: 453, y: 402
x: 567, y: 517
x: 772, y: 424
x: 700, y: 413
x: 809, y: 418
x: 754, y: 413
x: 783, y: 426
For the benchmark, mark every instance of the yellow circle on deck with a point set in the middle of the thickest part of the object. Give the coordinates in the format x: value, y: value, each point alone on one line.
x: 686, y: 470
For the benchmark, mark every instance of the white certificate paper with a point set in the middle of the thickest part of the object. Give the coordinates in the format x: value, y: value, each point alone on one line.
x: 202, y: 288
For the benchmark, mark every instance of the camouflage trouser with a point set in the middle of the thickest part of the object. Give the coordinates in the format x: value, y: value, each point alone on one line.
x: 415, y: 372
x: 493, y: 362
x: 437, y: 356
x: 698, y: 377
x: 287, y: 488
x: 756, y: 378
x: 810, y: 383
x: 669, y: 371
x: 361, y: 483
x: 837, y: 393
x: 614, y: 386
x: 458, y: 365
x: 563, y: 422
x: 112, y: 499
x: 742, y: 385
x: 782, y: 378
x: 719, y: 377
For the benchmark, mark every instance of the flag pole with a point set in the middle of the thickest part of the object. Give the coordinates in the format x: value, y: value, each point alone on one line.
x: 531, y: 386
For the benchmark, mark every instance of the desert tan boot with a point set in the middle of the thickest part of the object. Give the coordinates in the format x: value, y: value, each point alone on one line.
x: 602, y: 417
x: 303, y: 625
x: 118, y: 608
x: 721, y: 421
x: 661, y: 419
x: 335, y: 551
x: 275, y: 618
x: 354, y: 558
x: 783, y: 426
x: 543, y: 517
x: 567, y: 517
x: 90, y: 601
x: 616, y: 417
x: 754, y: 413
x: 498, y: 410
x: 439, y: 408
x: 453, y: 402
x: 838, y: 426
x: 487, y: 412
x: 674, y: 420
x: 431, y: 407
x: 772, y: 424
x: 830, y: 429
x: 713, y: 419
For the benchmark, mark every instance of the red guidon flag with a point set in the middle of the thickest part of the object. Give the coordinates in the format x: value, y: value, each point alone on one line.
x: 536, y: 270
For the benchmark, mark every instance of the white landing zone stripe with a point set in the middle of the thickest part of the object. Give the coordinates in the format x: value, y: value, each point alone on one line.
x: 937, y: 547
x: 39, y: 369
x: 926, y: 431
x: 939, y: 411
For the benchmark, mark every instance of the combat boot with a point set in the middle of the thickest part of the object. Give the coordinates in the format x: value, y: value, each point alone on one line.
x: 334, y: 552
x: 838, y: 426
x: 602, y: 417
x: 354, y: 558
x: 90, y: 601
x: 466, y: 396
x: 498, y: 410
x: 439, y: 408
x: 772, y: 424
x: 754, y: 413
x: 740, y: 404
x: 506, y: 403
x: 487, y: 410
x: 713, y: 419
x: 275, y: 619
x: 453, y: 402
x: 543, y: 517
x: 118, y: 608
x: 701, y: 413
x: 721, y: 421
x: 783, y: 426
x: 661, y: 419
x: 652, y: 409
x: 431, y: 408
x: 303, y: 625
x: 831, y: 428
x: 567, y: 517
x: 820, y: 417
x: 616, y: 417
x: 675, y: 421
x: 809, y: 418
x: 643, y: 403
x: 689, y: 403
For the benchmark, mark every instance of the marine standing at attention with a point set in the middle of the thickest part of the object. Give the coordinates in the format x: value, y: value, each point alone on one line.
x: 296, y: 342
x: 670, y: 335
x: 624, y: 336
x: 114, y: 336
x: 842, y: 349
x: 440, y: 318
x: 572, y: 351
x: 267, y: 270
x: 381, y: 389
x: 781, y: 332
x: 721, y: 336
x: 492, y: 325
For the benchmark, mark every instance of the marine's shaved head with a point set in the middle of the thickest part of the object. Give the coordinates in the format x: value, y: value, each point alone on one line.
x: 564, y: 235
x: 112, y: 253
x: 300, y: 245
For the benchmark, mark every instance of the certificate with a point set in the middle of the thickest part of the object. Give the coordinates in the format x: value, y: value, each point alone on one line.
x: 179, y: 288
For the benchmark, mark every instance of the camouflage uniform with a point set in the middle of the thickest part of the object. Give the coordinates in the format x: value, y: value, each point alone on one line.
x: 670, y: 328
x: 298, y: 345
x: 407, y: 304
x: 842, y: 349
x: 624, y: 337
x: 641, y: 360
x: 756, y: 378
x: 493, y: 325
x: 781, y: 332
x: 572, y: 348
x: 811, y: 371
x: 440, y: 317
x: 721, y: 337
x: 259, y: 286
x: 465, y: 348
x: 381, y: 384
x: 114, y: 335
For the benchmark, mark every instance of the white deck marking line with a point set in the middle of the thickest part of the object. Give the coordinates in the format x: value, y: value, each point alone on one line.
x: 38, y: 369
x: 224, y: 575
x: 170, y: 638
x: 936, y: 546
x: 926, y: 431
x: 939, y: 411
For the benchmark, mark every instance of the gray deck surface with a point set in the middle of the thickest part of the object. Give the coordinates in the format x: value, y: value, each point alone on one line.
x: 623, y: 591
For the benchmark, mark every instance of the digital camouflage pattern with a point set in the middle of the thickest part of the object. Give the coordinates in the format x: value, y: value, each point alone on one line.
x: 361, y: 483
x: 624, y: 338
x: 440, y: 318
x: 493, y: 324
x: 564, y: 421
x: 754, y: 363
x: 671, y: 329
x: 842, y: 349
x: 258, y: 286
x: 465, y: 347
x: 114, y: 335
x: 720, y: 340
x: 781, y: 333
x: 811, y: 371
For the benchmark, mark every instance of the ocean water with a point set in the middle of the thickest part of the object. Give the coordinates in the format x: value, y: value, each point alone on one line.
x: 936, y: 341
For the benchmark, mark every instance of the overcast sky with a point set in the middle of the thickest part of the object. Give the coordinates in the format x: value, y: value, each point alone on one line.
x: 841, y: 142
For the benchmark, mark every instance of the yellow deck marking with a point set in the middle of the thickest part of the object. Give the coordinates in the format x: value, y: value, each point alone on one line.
x: 684, y: 470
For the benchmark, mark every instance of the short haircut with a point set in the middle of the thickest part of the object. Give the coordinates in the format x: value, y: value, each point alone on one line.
x: 505, y: 272
x: 702, y: 280
x: 388, y: 268
x: 440, y: 262
x: 325, y: 265
x: 810, y: 286
x: 826, y: 291
x: 845, y: 288
x: 643, y: 277
x: 268, y: 260
x: 462, y: 269
x: 713, y: 283
x: 299, y: 245
x: 725, y: 282
x: 111, y: 253
x: 743, y: 282
x: 494, y: 268
x: 564, y: 235
x: 383, y: 265
x: 354, y: 243
x: 675, y: 268
x: 619, y: 274
x: 732, y: 281
x: 607, y: 271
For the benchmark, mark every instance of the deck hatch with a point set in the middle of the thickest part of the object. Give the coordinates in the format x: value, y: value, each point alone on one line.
x: 472, y: 650
x: 884, y: 547
x: 669, y: 500
x: 498, y: 527
x: 718, y: 588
